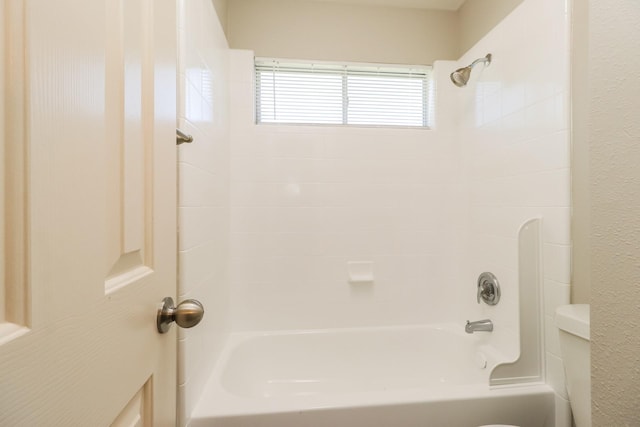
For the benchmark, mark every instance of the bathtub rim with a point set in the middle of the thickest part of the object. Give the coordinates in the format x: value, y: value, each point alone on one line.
x: 217, y: 402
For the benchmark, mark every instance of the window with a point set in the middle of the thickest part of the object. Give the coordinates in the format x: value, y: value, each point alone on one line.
x: 342, y: 94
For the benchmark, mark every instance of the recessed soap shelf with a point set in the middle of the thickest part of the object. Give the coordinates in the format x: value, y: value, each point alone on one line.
x: 360, y: 272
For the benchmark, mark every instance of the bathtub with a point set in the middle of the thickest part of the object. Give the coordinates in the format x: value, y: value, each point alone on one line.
x: 423, y: 376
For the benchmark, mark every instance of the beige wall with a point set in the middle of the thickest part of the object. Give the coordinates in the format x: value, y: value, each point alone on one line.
x: 342, y: 32
x: 477, y: 17
x: 221, y: 10
x: 350, y: 32
x: 614, y: 142
x: 581, y: 200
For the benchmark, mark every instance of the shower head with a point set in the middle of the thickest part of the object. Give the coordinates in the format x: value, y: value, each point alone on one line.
x: 460, y: 77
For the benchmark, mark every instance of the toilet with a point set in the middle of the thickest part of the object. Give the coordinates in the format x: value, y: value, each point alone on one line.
x: 573, y: 325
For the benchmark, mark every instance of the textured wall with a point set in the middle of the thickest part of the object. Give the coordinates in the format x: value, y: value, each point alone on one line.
x: 614, y: 142
x: 342, y: 32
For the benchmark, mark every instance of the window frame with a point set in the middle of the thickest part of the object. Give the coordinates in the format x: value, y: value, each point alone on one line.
x: 423, y: 73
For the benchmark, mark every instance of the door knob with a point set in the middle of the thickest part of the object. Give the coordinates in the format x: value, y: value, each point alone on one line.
x: 187, y: 314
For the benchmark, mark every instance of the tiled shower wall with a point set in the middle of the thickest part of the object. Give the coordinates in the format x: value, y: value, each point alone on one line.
x: 307, y: 200
x: 430, y: 209
x: 513, y: 124
x: 203, y: 168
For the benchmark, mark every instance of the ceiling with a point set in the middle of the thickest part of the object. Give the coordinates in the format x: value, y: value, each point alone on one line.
x: 419, y: 4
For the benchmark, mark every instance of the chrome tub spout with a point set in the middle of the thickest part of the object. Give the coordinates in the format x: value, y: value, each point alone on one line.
x: 485, y: 325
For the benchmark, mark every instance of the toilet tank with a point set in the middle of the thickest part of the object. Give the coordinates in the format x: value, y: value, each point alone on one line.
x: 573, y: 324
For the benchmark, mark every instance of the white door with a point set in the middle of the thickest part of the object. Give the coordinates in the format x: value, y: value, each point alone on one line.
x: 89, y: 201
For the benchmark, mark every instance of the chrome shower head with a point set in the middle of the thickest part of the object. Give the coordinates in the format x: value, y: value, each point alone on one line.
x: 460, y: 77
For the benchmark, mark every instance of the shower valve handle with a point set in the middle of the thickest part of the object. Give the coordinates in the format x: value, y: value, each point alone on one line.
x: 484, y: 292
x: 488, y: 289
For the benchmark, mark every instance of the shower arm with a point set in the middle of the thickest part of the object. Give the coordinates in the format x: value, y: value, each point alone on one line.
x: 486, y: 59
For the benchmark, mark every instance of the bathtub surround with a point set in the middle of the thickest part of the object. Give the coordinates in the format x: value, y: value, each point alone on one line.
x: 431, y: 209
x: 307, y: 200
x: 428, y: 209
x: 528, y: 367
x: 514, y: 143
x: 203, y: 168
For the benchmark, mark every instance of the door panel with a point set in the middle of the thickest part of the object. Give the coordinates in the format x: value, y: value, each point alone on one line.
x: 89, y: 238
x: 14, y: 286
x: 136, y: 413
x: 129, y: 114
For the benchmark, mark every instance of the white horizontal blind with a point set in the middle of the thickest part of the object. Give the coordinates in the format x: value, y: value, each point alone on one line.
x: 342, y: 94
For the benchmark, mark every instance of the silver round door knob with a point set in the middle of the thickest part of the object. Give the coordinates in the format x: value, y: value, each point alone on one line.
x: 187, y: 314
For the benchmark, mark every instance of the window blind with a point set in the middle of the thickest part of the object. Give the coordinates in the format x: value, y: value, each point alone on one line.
x: 342, y: 94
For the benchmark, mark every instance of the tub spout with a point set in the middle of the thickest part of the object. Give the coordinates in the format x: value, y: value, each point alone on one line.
x: 480, y: 325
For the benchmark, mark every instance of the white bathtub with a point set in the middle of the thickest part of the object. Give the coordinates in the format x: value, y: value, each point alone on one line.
x: 427, y: 376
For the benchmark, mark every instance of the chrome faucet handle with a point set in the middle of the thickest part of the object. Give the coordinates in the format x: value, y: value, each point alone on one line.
x: 488, y: 289
x: 485, y: 292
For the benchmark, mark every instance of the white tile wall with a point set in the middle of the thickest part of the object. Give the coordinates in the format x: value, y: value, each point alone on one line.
x: 203, y: 243
x: 431, y: 209
x: 307, y: 200
x: 514, y: 134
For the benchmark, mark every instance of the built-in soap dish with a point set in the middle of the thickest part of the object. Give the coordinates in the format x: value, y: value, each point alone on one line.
x: 360, y: 272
